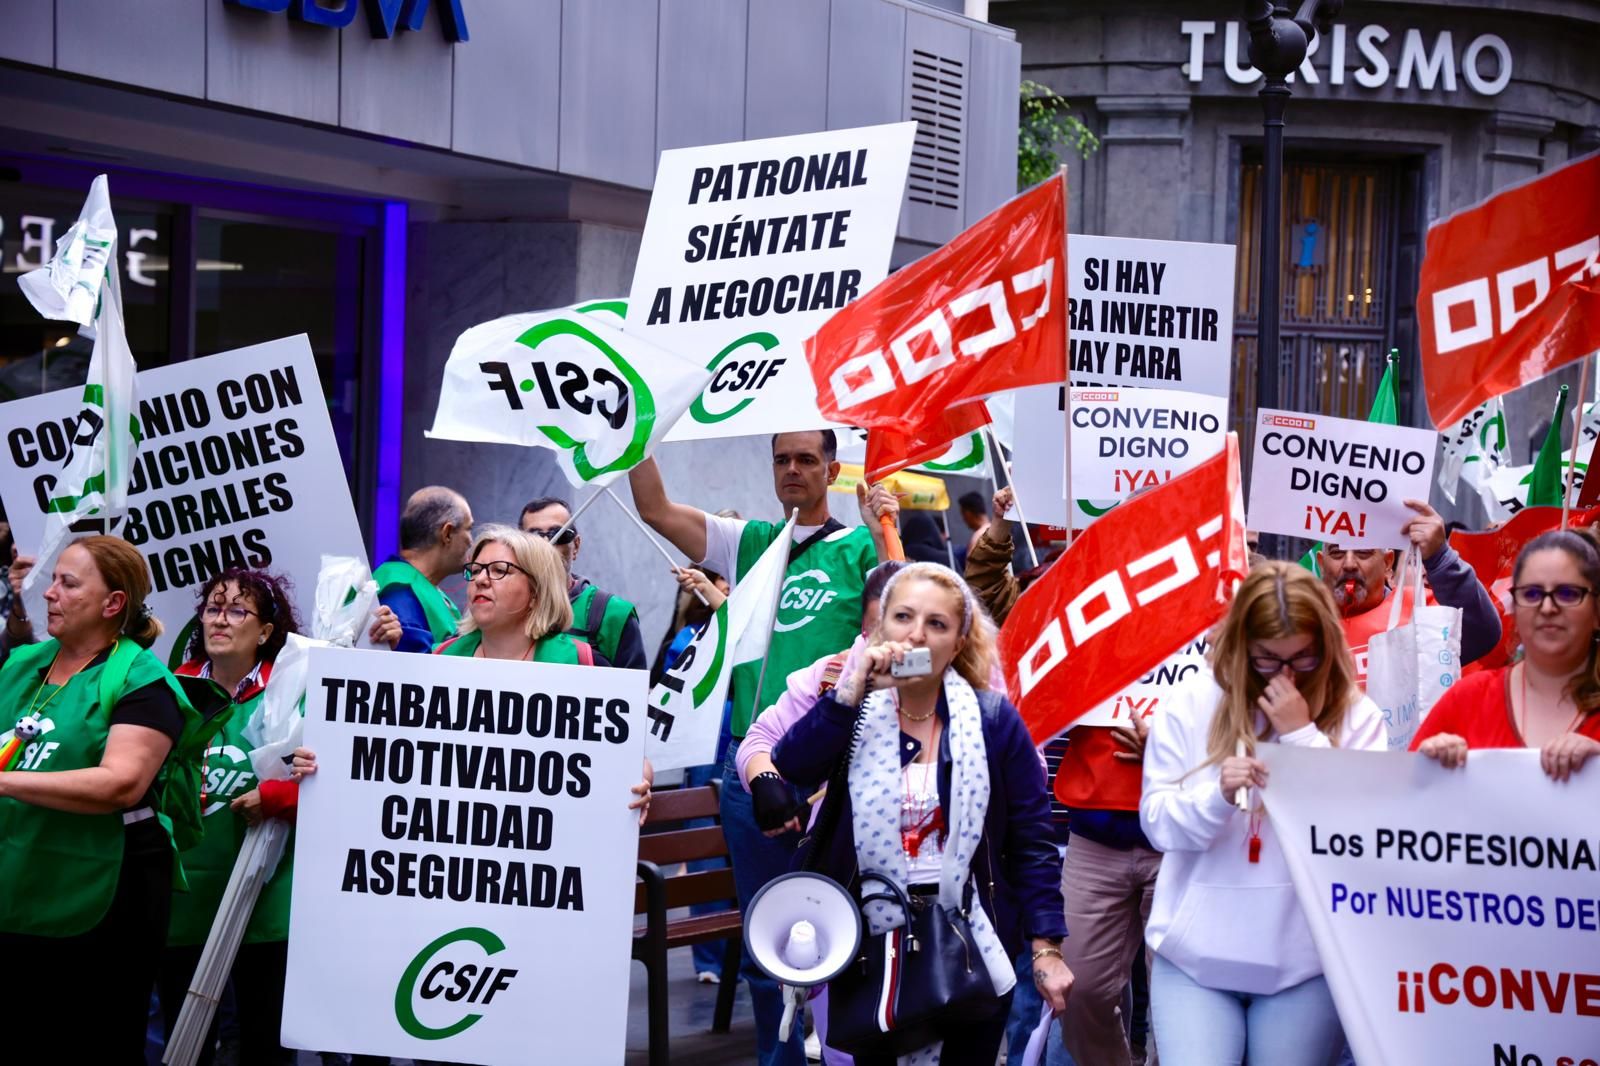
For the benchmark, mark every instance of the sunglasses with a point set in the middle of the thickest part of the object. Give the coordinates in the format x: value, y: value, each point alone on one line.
x: 1269, y: 665
x: 557, y: 536
x: 1564, y: 595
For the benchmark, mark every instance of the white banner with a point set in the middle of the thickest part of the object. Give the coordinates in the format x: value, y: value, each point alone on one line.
x: 1455, y: 910
x: 748, y: 248
x: 464, y: 862
x: 569, y: 380
x: 1336, y: 479
x: 239, y: 467
x: 1152, y: 313
x: 1143, y: 698
x: 686, y: 704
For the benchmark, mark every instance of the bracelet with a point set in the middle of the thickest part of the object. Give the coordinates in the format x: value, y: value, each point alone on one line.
x: 1048, y: 952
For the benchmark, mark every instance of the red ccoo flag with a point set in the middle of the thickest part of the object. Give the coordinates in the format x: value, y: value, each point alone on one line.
x: 889, y: 450
x: 1135, y: 586
x: 985, y: 313
x: 1510, y: 289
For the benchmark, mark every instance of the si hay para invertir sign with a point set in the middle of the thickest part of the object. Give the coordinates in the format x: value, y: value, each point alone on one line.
x: 1455, y: 911
x: 1336, y: 479
x: 238, y: 453
x: 1151, y: 313
x: 748, y: 248
x: 464, y: 860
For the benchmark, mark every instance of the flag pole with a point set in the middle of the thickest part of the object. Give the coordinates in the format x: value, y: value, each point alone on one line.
x: 1066, y: 356
x: 949, y: 549
x: 654, y: 543
x: 573, y: 517
x: 1016, y: 501
x: 761, y: 678
x: 1572, y: 458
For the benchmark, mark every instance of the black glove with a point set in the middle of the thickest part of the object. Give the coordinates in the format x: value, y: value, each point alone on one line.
x: 774, y: 800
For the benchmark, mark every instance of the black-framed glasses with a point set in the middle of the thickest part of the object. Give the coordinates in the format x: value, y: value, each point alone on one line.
x: 234, y: 613
x: 1269, y: 665
x: 557, y: 536
x: 497, y: 570
x: 1564, y: 595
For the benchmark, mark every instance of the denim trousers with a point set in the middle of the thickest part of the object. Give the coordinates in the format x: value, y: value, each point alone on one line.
x: 757, y: 859
x: 1200, y: 1026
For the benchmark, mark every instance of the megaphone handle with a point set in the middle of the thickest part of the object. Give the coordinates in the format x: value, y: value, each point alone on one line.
x: 791, y: 1000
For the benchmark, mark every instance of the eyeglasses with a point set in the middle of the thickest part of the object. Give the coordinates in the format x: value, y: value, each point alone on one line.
x: 557, y: 536
x: 234, y: 613
x: 1269, y: 665
x: 1564, y: 595
x: 497, y: 570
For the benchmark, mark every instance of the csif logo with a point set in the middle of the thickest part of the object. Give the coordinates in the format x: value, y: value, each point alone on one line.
x: 738, y: 379
x: 456, y: 977
x: 803, y: 593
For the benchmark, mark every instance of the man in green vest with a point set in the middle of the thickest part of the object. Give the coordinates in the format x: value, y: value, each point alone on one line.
x: 435, y: 539
x: 819, y: 613
x: 609, y: 623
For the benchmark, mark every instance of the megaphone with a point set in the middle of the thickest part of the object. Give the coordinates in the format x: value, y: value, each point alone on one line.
x: 802, y: 929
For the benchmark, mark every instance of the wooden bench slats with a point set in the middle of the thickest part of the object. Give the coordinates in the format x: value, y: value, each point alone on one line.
x: 683, y: 845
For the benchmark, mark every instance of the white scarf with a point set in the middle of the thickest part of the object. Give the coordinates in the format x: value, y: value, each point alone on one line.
x: 875, y: 792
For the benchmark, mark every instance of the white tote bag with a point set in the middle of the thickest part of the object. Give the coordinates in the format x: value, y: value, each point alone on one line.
x: 1410, y: 666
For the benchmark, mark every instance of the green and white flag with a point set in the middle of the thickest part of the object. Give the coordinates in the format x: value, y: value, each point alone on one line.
x: 569, y: 380
x: 79, y: 284
x: 685, y: 706
x: 1474, y: 450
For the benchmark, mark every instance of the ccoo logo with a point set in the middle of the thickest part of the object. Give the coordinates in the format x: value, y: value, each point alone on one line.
x: 439, y: 978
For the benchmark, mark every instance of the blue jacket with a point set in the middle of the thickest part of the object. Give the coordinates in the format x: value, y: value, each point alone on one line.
x: 1016, y: 869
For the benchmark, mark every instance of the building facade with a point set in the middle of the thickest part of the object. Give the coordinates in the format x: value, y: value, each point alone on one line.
x: 287, y: 166
x: 1407, y: 112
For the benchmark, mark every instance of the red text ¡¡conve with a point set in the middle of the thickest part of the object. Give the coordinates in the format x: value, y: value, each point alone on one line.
x: 1113, y: 597
x: 1498, y: 988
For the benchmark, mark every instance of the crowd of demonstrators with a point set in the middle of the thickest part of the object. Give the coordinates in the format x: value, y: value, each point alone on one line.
x: 803, y: 466
x: 435, y: 536
x: 1235, y: 969
x: 1550, y: 701
x: 606, y: 621
x: 1362, y: 579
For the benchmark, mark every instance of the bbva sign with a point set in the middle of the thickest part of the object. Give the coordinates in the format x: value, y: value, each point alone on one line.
x: 383, y: 16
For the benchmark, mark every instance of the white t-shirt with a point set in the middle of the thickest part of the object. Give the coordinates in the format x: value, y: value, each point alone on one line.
x: 919, y: 807
x: 722, y: 545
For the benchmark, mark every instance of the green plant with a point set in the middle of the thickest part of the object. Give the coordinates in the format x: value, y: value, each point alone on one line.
x: 1047, y: 124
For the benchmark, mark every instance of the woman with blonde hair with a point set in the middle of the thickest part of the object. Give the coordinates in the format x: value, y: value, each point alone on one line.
x: 1235, y: 971
x: 945, y: 798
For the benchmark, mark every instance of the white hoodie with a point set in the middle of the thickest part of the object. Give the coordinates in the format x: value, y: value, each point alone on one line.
x: 1226, y: 922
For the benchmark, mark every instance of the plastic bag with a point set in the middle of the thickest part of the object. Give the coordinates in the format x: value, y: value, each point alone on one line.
x: 1410, y: 665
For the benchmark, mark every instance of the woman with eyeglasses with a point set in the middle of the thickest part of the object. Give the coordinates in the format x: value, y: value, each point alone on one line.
x: 1548, y: 700
x: 516, y: 609
x: 1236, y: 973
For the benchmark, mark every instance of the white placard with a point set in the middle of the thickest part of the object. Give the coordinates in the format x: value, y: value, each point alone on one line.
x: 748, y: 248
x: 1455, y: 911
x: 464, y: 859
x: 239, y: 467
x: 1336, y: 479
x: 1151, y: 313
x: 1144, y: 697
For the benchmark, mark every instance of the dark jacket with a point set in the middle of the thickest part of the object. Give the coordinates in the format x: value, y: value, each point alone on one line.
x: 1015, y: 870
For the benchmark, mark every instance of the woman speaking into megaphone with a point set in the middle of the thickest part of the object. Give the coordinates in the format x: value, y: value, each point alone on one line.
x: 946, y: 795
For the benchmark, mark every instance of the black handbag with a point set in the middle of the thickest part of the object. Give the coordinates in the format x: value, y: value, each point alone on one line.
x: 910, y: 986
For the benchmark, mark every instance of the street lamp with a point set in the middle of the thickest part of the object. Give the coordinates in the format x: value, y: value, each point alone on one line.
x: 1278, y: 46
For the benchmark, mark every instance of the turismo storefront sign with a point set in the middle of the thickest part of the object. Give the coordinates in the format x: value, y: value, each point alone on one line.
x: 384, y: 17
x: 1370, y: 57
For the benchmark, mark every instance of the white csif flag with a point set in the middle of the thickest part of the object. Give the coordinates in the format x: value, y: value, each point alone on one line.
x: 79, y: 284
x: 569, y: 380
x: 685, y: 706
x: 1474, y: 449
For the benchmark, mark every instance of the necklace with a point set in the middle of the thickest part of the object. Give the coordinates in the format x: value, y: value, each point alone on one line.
x: 914, y: 717
x: 1522, y: 718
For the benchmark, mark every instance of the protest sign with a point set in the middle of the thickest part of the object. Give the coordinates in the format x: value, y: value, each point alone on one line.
x: 1509, y: 289
x: 238, y: 467
x: 748, y: 248
x: 1130, y: 591
x: 569, y: 380
x: 1123, y: 440
x: 1337, y: 479
x: 1154, y: 313
x: 1454, y: 910
x: 464, y: 859
x: 1143, y: 698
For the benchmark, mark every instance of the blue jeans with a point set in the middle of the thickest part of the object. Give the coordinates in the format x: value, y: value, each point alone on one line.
x: 757, y: 859
x: 1200, y: 1026
x: 1026, y: 1006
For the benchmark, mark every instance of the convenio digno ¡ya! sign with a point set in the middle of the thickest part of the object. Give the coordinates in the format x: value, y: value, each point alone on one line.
x: 1370, y: 57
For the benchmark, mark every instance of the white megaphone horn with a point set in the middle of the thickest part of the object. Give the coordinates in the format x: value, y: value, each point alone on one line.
x: 801, y: 929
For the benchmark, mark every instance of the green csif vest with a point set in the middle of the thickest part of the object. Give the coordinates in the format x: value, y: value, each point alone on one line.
x: 606, y: 632
x: 440, y: 611
x: 59, y: 870
x: 554, y: 648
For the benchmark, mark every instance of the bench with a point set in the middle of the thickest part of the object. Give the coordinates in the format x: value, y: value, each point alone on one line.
x: 655, y: 894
